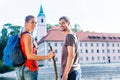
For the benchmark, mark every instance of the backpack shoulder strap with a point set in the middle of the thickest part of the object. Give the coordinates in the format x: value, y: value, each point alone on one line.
x: 25, y: 32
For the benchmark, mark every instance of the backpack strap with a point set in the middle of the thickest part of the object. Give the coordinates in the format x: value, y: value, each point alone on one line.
x: 21, y: 45
x: 23, y: 66
x: 24, y: 33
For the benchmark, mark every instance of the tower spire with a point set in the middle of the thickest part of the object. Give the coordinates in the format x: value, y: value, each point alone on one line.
x: 41, y: 26
x: 41, y: 12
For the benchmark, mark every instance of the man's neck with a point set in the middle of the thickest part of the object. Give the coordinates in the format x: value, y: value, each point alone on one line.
x: 67, y: 32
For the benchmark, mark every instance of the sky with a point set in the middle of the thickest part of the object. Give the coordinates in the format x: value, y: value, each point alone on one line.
x: 92, y: 15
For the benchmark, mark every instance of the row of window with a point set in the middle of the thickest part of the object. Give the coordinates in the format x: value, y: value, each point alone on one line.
x: 100, y: 44
x: 99, y: 58
x: 56, y: 51
x: 55, y: 44
x: 99, y: 51
x: 92, y: 44
x: 93, y: 51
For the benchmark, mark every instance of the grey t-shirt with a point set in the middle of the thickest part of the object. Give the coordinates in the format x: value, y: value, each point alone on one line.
x: 70, y: 40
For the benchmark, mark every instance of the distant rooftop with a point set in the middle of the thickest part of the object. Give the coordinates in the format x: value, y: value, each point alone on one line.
x: 54, y: 34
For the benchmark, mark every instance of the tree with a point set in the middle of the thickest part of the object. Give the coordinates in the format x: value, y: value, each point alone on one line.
x: 56, y: 25
x: 3, y: 41
x: 48, y: 26
x: 14, y: 30
x: 76, y: 28
x: 8, y: 29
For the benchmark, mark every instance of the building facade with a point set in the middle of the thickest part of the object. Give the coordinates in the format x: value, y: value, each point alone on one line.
x: 94, y: 47
x: 99, y: 47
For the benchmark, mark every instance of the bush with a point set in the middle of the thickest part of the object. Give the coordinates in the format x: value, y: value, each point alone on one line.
x: 4, y: 68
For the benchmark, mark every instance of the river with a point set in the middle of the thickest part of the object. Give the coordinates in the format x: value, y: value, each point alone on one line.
x: 88, y: 73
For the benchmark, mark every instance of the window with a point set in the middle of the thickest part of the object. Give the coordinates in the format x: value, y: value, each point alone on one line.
x: 103, y: 57
x: 103, y: 51
x: 119, y: 57
x: 55, y: 51
x: 110, y: 37
x: 118, y: 50
x: 92, y: 58
x: 97, y: 51
x: 113, y: 51
x: 114, y: 37
x: 56, y: 59
x: 85, y: 44
x: 81, y: 51
x: 98, y: 58
x: 97, y: 44
x: 48, y: 44
x: 42, y: 20
x: 80, y: 44
x: 118, y: 44
x: 91, y: 44
x: 86, y: 51
x: 86, y: 58
x: 61, y: 44
x: 103, y: 37
x: 98, y: 37
x: 92, y: 51
x: 113, y: 45
x: 108, y: 51
x: 102, y: 44
x: 55, y: 44
x: 107, y: 44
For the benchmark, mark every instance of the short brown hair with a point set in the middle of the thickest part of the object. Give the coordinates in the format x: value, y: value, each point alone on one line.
x: 65, y: 18
x: 27, y: 18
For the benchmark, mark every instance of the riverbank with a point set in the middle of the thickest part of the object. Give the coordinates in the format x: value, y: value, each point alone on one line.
x: 85, y: 68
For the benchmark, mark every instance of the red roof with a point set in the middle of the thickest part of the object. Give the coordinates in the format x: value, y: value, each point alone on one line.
x: 98, y: 37
x: 54, y: 34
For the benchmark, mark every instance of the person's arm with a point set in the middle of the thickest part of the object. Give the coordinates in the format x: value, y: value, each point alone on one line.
x: 70, y: 60
x: 29, y: 47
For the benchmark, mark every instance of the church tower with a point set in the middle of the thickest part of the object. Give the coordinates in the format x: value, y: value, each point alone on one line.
x: 41, y: 26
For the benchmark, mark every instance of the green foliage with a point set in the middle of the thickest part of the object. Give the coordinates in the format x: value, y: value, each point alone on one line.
x: 4, y: 68
x: 8, y: 29
x: 48, y: 26
x: 3, y: 41
x: 56, y: 25
x: 76, y: 28
x: 7, y: 24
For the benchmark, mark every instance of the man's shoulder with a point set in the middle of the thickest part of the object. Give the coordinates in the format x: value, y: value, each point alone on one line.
x: 70, y: 35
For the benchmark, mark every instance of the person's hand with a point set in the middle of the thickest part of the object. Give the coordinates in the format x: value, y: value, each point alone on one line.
x: 51, y: 54
x: 64, y: 78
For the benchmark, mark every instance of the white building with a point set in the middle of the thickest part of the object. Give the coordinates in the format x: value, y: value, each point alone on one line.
x: 99, y: 47
x: 94, y: 47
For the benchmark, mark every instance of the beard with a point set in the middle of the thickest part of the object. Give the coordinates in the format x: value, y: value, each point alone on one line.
x: 64, y: 29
